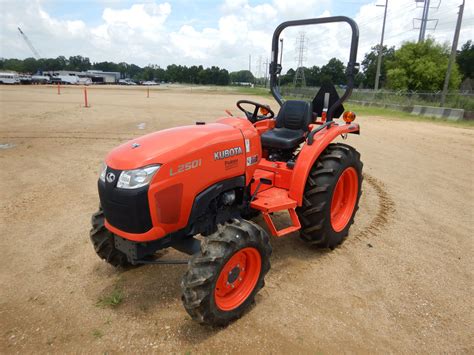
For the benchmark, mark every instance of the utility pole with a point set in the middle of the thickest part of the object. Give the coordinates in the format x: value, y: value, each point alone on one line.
x: 424, y: 20
x: 266, y: 71
x: 452, y: 57
x: 379, y: 59
x: 281, y: 60
x: 250, y: 63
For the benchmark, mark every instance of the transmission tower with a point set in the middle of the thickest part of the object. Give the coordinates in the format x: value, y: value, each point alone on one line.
x: 425, y: 18
x: 300, y: 47
x: 28, y: 42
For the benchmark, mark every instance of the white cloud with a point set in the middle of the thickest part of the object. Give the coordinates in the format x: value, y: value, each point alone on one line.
x: 141, y: 33
x: 298, y: 9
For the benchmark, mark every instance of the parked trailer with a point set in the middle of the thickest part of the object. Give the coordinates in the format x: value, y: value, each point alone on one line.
x: 40, y: 79
x: 65, y: 79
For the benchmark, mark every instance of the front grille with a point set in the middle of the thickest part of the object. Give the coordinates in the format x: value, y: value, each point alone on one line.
x: 127, y: 210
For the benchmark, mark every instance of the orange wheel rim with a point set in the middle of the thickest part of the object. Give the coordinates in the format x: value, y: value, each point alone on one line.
x: 237, y: 279
x: 344, y: 199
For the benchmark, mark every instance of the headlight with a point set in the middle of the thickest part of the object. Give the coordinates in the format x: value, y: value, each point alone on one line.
x: 103, y: 171
x: 133, y: 179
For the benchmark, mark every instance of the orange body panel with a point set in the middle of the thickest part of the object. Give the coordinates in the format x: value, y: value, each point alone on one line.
x: 282, y: 173
x: 286, y: 191
x: 175, y: 149
x: 309, y: 154
x: 265, y: 125
x: 262, y: 174
x: 189, y: 166
x: 253, y: 146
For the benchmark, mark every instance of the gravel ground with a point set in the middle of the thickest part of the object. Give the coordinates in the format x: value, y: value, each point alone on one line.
x: 402, y: 282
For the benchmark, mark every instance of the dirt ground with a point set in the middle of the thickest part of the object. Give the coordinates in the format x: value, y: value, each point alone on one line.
x: 401, y: 283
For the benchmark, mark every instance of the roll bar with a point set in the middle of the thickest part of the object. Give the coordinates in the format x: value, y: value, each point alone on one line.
x: 275, y: 68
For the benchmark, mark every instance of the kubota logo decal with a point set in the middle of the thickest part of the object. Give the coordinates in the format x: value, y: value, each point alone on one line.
x: 227, y: 153
x: 110, y: 178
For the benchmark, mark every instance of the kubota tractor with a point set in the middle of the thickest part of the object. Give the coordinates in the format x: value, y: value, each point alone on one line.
x: 209, y: 179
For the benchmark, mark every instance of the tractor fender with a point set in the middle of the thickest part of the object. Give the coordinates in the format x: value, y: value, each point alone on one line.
x: 310, y: 153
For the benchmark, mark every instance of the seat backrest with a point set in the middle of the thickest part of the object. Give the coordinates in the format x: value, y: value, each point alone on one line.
x: 294, y: 114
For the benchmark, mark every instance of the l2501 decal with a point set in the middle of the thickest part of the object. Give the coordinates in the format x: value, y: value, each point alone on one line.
x: 186, y: 166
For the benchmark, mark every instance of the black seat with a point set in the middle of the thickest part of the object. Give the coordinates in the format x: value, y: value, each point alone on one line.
x: 291, y: 126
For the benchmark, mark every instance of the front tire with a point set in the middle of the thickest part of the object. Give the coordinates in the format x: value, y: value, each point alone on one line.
x: 224, y: 277
x: 103, y: 241
x: 331, y: 196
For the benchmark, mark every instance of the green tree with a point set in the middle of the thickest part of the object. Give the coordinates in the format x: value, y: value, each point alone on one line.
x: 242, y: 76
x: 359, y: 80
x: 193, y: 74
x: 223, y: 78
x: 465, y: 60
x: 79, y: 63
x: 106, y: 66
x: 30, y: 65
x: 14, y: 65
x: 62, y: 63
x: 288, y: 77
x: 369, y: 65
x: 313, y: 76
x: 148, y: 73
x: 421, y: 67
x: 333, y: 72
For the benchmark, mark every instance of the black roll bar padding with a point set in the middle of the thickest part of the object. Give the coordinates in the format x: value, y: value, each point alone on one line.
x: 275, y: 68
x: 311, y: 134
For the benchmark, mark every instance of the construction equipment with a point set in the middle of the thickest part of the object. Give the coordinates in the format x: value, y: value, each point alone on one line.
x: 209, y: 179
x: 30, y: 45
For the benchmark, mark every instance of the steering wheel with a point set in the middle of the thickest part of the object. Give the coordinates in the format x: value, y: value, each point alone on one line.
x: 255, y: 117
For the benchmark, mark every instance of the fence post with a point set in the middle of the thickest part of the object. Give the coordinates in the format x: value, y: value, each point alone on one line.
x: 85, y: 97
x: 59, y: 88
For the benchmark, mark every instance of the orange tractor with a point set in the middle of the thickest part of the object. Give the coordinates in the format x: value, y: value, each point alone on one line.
x: 209, y: 179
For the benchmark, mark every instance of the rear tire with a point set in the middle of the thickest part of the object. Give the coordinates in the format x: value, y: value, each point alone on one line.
x: 331, y: 196
x: 103, y: 241
x: 224, y: 277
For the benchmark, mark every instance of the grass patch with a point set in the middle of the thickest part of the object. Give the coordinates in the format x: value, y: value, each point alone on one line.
x: 113, y: 299
x: 369, y: 110
x: 97, y: 333
x: 359, y: 109
x: 400, y: 115
x: 245, y: 90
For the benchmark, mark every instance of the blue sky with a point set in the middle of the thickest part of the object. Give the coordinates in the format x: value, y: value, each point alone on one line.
x: 200, y: 13
x: 221, y: 32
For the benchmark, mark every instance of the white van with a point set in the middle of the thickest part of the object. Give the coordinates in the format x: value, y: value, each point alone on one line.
x: 9, y: 78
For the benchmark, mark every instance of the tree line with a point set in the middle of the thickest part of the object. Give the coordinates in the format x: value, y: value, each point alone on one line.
x: 195, y: 74
x: 413, y: 66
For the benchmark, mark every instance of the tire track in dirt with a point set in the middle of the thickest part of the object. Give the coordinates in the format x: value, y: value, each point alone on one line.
x: 385, y: 210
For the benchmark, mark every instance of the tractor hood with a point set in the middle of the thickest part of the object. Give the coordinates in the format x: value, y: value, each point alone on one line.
x: 173, y: 144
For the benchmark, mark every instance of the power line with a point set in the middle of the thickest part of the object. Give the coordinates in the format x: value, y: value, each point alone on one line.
x: 408, y: 7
